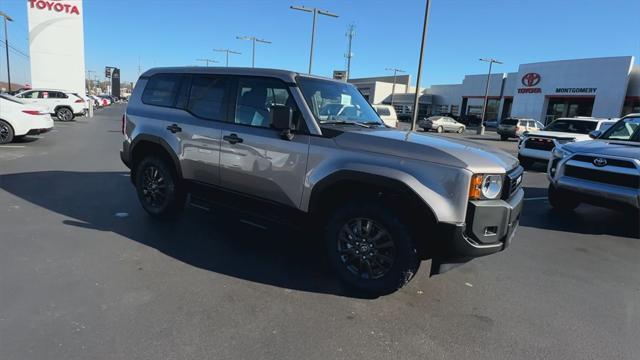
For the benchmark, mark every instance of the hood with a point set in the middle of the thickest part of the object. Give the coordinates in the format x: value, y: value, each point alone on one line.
x: 466, y: 154
x: 558, y: 135
x: 626, y: 149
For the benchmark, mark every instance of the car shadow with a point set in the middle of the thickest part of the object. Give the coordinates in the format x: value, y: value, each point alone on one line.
x: 586, y: 219
x: 216, y: 241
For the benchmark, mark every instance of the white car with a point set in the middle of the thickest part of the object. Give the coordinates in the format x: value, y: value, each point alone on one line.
x: 537, y: 146
x: 388, y: 114
x: 18, y: 119
x: 63, y: 104
x: 441, y: 124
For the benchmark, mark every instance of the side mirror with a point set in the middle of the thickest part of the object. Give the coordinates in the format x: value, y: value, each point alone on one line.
x: 595, y: 134
x: 281, y: 118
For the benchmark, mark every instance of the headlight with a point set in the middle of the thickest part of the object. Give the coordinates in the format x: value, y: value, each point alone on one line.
x: 485, y: 187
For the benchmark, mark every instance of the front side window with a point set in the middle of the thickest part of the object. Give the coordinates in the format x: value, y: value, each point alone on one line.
x: 572, y: 126
x: 256, y: 96
x: 161, y: 89
x: 208, y: 98
x: 623, y: 130
x: 336, y: 102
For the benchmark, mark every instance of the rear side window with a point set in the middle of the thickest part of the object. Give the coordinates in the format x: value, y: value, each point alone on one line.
x: 383, y: 111
x: 208, y: 97
x: 161, y: 90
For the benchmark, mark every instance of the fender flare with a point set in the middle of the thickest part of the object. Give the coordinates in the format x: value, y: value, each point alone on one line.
x: 142, y: 138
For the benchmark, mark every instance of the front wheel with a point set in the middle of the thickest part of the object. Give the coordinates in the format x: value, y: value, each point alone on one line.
x: 561, y: 200
x: 370, y: 248
x: 460, y: 130
x: 64, y: 114
x: 440, y: 129
x: 6, y: 133
x: 158, y: 188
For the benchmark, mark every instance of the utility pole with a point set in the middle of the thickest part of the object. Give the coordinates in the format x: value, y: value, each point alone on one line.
x: 315, y: 12
x: 207, y: 61
x: 424, y: 41
x: 6, y: 46
x: 395, y: 74
x: 227, y: 51
x: 89, y: 72
x: 253, y: 40
x: 350, y: 34
x: 139, y: 67
x: 491, y: 61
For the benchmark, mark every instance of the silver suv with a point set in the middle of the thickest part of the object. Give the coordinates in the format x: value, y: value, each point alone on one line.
x: 604, y: 172
x: 381, y: 199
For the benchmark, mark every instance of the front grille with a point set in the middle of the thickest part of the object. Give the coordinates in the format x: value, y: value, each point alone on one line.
x: 605, y: 177
x: 611, y: 162
x: 539, y: 144
x: 512, y: 182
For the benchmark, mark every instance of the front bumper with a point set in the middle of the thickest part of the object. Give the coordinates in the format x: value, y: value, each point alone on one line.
x: 489, y: 228
x: 541, y: 155
x: 600, y: 194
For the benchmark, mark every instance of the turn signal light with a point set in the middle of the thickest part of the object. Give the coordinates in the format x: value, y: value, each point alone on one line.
x: 475, y: 191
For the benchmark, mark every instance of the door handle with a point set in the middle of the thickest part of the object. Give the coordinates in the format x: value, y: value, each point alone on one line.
x: 174, y: 128
x: 232, y: 139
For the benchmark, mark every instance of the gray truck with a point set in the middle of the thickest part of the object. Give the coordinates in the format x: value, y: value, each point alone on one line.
x: 381, y: 200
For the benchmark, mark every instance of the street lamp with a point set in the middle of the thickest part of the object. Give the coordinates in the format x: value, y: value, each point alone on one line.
x: 424, y: 41
x: 207, y: 61
x: 395, y: 73
x: 227, y: 51
x: 491, y: 61
x: 315, y: 12
x: 6, y: 46
x: 253, y: 40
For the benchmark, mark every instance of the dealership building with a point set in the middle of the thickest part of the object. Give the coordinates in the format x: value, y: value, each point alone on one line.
x: 600, y: 87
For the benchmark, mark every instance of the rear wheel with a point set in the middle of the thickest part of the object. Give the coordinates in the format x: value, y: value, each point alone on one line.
x: 158, y: 188
x: 562, y: 200
x: 369, y: 248
x: 504, y: 138
x: 6, y: 132
x: 64, y: 114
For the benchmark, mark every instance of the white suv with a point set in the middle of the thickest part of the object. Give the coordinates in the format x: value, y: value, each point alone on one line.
x: 18, y: 119
x: 64, y: 105
x: 537, y: 146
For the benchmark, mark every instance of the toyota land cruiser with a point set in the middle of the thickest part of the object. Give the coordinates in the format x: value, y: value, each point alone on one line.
x: 260, y: 139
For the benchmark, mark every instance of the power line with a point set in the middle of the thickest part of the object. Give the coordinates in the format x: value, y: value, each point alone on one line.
x: 16, y: 50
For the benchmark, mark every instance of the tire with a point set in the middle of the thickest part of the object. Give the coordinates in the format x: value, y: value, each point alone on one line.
x: 440, y: 129
x: 504, y: 138
x: 387, y: 242
x: 64, y: 114
x: 6, y: 132
x: 460, y: 130
x: 561, y: 200
x: 159, y: 189
x: 526, y: 163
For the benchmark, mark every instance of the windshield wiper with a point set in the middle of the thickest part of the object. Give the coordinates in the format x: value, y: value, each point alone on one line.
x: 343, y: 122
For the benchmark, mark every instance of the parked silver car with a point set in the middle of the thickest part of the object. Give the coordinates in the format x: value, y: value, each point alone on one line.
x: 284, y: 146
x: 441, y: 124
x: 604, y: 172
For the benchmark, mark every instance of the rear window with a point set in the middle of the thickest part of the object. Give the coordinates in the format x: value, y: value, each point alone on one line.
x: 12, y: 98
x: 510, y: 122
x: 161, y: 90
x: 383, y: 111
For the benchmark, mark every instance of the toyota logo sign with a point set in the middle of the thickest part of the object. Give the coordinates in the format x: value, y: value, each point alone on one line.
x: 531, y: 79
x: 600, y: 162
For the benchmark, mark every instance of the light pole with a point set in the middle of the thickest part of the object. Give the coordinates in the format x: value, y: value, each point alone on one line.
x: 207, y: 61
x: 315, y: 12
x: 491, y: 61
x: 253, y: 40
x: 227, y: 51
x: 416, y: 98
x: 6, y: 46
x: 395, y: 73
x: 89, y: 72
x: 350, y: 34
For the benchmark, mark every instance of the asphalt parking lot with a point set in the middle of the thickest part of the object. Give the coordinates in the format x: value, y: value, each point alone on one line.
x: 84, y: 273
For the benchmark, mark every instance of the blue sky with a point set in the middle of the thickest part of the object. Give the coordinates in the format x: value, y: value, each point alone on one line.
x: 176, y: 32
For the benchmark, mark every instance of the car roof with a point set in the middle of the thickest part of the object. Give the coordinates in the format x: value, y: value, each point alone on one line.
x: 47, y: 89
x: 585, y: 118
x: 285, y: 75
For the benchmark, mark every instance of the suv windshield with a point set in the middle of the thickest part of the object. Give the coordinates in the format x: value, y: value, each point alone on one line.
x: 572, y: 126
x: 334, y: 102
x: 510, y: 122
x: 623, y: 130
